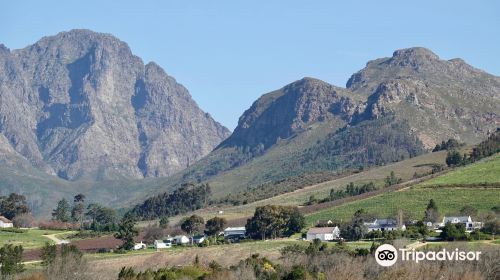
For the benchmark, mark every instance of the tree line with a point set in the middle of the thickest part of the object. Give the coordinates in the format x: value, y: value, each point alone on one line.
x: 92, y: 216
x: 184, y: 199
x: 484, y: 149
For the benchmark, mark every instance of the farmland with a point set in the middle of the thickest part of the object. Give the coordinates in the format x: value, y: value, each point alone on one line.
x: 29, y: 239
x: 485, y: 172
x: 403, y: 169
x: 414, y: 200
x: 413, y: 203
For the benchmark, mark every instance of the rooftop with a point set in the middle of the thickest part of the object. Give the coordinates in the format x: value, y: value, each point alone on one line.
x: 234, y: 228
x: 320, y: 230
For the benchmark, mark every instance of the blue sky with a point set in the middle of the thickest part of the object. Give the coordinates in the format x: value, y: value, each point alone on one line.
x: 228, y: 53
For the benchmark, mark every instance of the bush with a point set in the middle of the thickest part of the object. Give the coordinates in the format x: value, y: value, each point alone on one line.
x: 13, y: 230
x: 23, y: 220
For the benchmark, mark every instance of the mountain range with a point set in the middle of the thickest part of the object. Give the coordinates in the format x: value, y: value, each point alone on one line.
x: 81, y: 105
x: 80, y: 113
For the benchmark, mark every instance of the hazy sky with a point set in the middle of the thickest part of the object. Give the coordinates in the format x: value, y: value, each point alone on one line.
x: 228, y: 54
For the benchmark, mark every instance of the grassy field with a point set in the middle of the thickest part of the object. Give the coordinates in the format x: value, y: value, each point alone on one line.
x: 414, y: 200
x: 487, y: 171
x: 32, y: 238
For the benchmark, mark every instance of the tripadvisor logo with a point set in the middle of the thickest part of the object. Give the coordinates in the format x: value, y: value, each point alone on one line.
x: 387, y: 255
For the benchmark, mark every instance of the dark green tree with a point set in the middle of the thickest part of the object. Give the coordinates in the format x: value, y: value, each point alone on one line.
x: 78, y: 210
x: 274, y: 221
x: 454, y: 158
x: 103, y: 218
x: 296, y: 221
x: 13, y: 205
x: 49, y: 254
x: 432, y: 212
x: 11, y: 258
x: 127, y: 231
x: 164, y: 222
x: 62, y: 211
x: 492, y: 227
x: 184, y: 199
x: 453, y: 232
x: 356, y: 229
x: 215, y: 225
x: 392, y: 179
x: 192, y: 225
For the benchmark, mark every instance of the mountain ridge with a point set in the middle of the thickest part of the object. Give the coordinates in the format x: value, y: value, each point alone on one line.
x: 83, y: 117
x: 81, y: 106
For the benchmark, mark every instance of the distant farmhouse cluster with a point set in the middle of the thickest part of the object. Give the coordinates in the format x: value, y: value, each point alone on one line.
x: 467, y: 221
x: 326, y: 231
x: 230, y: 234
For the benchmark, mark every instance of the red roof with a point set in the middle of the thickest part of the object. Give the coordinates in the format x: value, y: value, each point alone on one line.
x: 5, y: 220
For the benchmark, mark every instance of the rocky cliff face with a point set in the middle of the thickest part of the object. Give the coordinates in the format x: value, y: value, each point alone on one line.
x: 439, y: 99
x: 81, y: 105
x: 280, y: 114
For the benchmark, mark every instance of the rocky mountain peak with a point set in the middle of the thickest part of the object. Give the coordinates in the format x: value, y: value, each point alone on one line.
x: 92, y: 109
x: 282, y: 113
x: 415, y: 53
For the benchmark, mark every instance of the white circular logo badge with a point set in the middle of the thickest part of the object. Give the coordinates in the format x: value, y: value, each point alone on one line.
x: 386, y: 255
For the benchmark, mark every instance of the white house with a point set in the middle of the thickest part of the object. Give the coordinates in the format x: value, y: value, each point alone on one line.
x: 140, y: 246
x: 5, y: 223
x: 323, y: 233
x: 198, y: 239
x: 384, y: 225
x: 466, y: 220
x: 181, y: 239
x: 235, y: 232
x: 162, y: 244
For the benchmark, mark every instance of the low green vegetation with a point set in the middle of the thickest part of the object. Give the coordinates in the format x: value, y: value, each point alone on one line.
x: 11, y: 260
x: 485, y: 172
x: 413, y: 203
x: 32, y: 238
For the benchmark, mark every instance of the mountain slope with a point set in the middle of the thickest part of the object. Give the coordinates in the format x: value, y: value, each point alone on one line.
x: 441, y: 99
x: 80, y: 105
x: 395, y: 108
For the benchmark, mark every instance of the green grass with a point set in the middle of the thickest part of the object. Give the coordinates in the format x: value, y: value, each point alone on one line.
x: 30, y: 239
x: 413, y: 202
x: 403, y: 169
x: 485, y: 172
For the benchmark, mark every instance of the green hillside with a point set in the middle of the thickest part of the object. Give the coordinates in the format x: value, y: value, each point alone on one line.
x: 414, y: 200
x: 404, y: 169
x: 487, y: 171
x: 49, y: 189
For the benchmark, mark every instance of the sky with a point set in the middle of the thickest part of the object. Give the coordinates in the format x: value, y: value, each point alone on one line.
x: 228, y: 53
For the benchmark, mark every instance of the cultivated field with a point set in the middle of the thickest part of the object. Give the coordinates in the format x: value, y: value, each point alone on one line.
x: 404, y: 169
x: 446, y: 190
x: 484, y: 172
x: 413, y: 202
